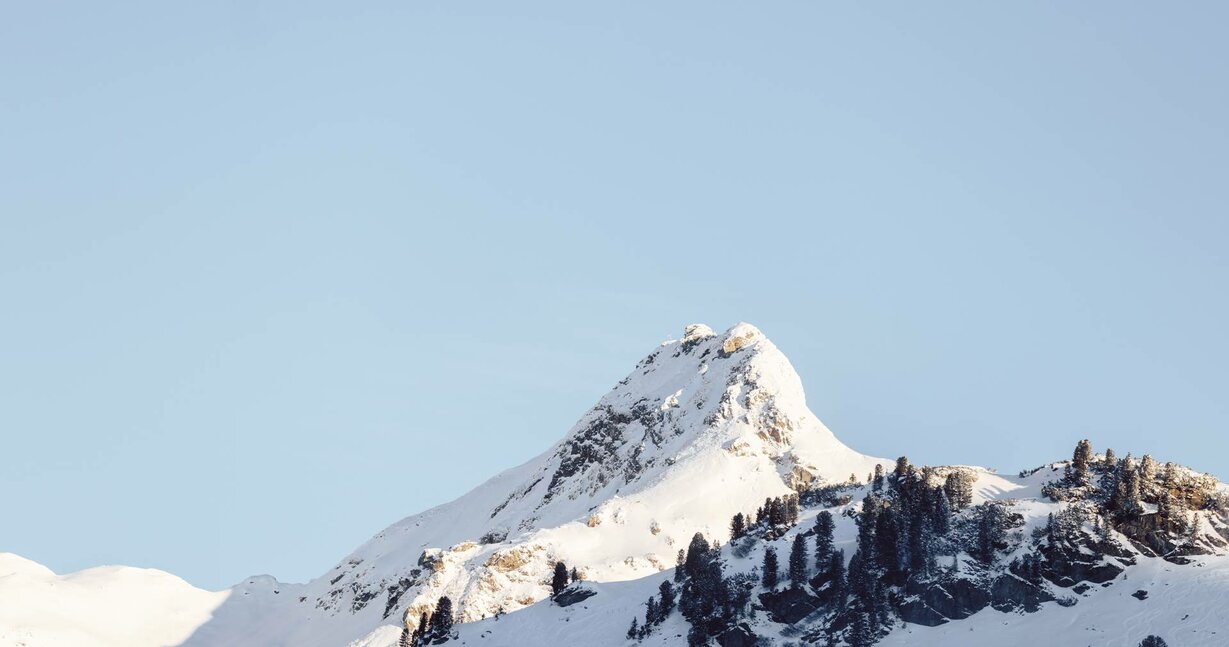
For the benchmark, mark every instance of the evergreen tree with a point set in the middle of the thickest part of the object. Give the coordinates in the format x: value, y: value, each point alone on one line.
x: 891, y: 551
x: 652, y: 614
x: 1081, y: 459
x: 559, y: 581
x: 420, y: 632
x: 1126, y: 496
x: 441, y: 620
x: 991, y: 527
x: 633, y: 632
x: 697, y: 555
x: 667, y: 598
x: 706, y: 592
x: 1147, y: 476
x: 1110, y: 459
x: 769, y: 576
x: 861, y: 578
x: 574, y: 575
x: 407, y: 637
x: 738, y: 526
x: 1108, y: 482
x: 679, y: 569
x: 776, y: 513
x: 836, y: 575
x: 860, y: 632
x: 824, y: 527
x: 798, y: 562
x: 877, y: 482
x: 1169, y: 475
x: 941, y: 517
x: 1154, y: 641
x: 959, y: 490
x: 902, y: 467
x: 791, y: 509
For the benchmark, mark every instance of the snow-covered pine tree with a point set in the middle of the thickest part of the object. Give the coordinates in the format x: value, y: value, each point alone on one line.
x: 1147, y: 476
x: 1126, y: 497
x: 1081, y: 460
x: 959, y: 489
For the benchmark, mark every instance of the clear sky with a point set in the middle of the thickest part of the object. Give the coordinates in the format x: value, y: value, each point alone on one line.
x: 274, y: 276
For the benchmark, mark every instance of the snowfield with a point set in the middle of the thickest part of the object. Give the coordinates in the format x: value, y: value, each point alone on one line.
x: 110, y: 606
x: 704, y: 427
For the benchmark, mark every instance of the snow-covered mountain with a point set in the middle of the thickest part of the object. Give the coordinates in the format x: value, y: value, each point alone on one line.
x: 703, y: 427
x: 706, y: 427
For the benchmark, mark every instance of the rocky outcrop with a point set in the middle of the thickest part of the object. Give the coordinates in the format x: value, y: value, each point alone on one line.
x: 573, y: 594
x: 789, y: 605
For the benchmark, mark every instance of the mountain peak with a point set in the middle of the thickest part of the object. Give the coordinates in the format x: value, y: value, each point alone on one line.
x: 703, y: 427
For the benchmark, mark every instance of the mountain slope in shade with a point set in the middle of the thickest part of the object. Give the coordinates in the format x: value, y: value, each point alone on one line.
x: 110, y: 606
x: 705, y: 426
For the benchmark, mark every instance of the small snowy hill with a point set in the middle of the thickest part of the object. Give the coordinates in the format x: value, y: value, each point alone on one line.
x: 704, y: 428
x: 111, y: 606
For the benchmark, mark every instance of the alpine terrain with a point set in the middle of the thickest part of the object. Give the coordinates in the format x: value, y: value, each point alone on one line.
x: 700, y: 502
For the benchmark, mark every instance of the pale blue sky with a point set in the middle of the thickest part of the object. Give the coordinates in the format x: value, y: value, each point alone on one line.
x: 274, y: 277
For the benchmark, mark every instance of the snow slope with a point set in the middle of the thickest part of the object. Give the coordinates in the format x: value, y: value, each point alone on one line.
x: 705, y: 426
x: 110, y: 606
x: 1184, y: 603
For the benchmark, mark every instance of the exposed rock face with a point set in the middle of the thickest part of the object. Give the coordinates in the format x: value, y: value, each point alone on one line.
x: 738, y: 337
x: 739, y: 636
x: 1067, y: 565
x: 937, y: 602
x: 789, y: 605
x: 695, y: 333
x: 573, y: 594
